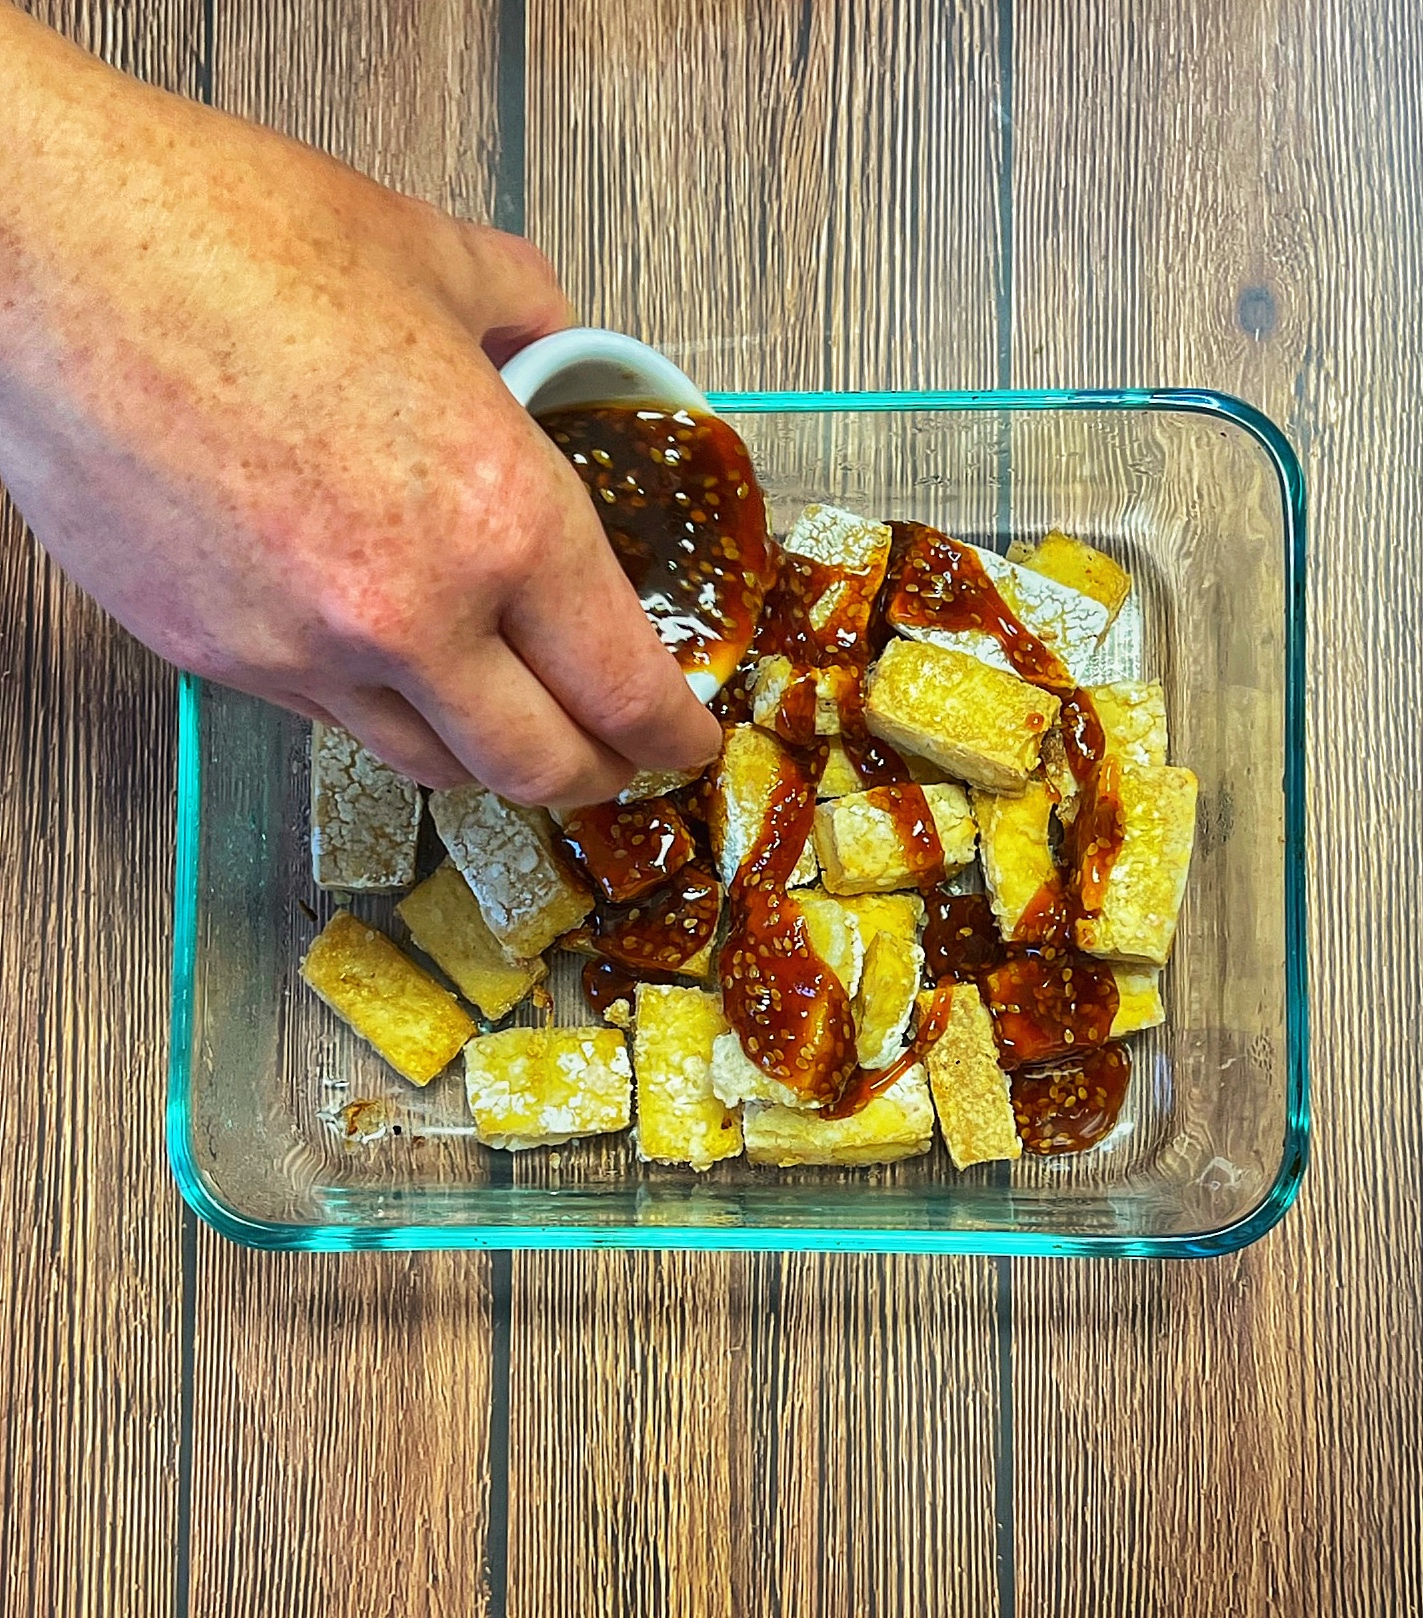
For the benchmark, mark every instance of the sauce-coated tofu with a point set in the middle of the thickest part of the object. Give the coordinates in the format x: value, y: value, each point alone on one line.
x: 1017, y: 856
x: 743, y: 787
x: 861, y: 850
x: 895, y: 1125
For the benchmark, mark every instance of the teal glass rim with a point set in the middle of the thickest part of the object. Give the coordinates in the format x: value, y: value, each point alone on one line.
x: 1227, y: 1239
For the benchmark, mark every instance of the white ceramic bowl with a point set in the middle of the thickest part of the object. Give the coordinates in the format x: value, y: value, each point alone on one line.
x: 586, y: 365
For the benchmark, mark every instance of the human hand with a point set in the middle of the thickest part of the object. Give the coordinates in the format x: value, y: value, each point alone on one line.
x: 249, y: 401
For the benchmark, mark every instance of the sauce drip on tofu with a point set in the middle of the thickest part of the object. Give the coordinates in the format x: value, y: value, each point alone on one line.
x: 1052, y: 1011
x: 1071, y: 1106
x: 788, y: 1008
x: 629, y: 848
x: 944, y: 585
x: 867, y: 1083
x: 846, y: 639
x: 666, y: 928
x: 680, y: 504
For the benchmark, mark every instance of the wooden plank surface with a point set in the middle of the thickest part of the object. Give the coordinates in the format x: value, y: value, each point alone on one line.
x: 1211, y: 191
x: 90, y: 1279
x: 1242, y: 211
x: 341, y: 1407
x: 716, y: 1434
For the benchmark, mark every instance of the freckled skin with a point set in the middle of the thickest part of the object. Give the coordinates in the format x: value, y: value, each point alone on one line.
x: 249, y: 400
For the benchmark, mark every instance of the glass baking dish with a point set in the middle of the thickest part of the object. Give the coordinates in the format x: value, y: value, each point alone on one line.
x: 1202, y: 499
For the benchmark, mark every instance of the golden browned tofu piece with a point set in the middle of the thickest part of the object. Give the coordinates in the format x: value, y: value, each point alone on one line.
x: 897, y: 1124
x: 899, y: 913
x: 542, y: 1086
x: 1013, y: 844
x: 1076, y: 564
x: 445, y: 921
x: 1142, y: 900
x: 970, y: 1090
x: 744, y: 781
x: 859, y: 845
x: 839, y: 775
x: 1133, y: 718
x: 775, y: 677
x: 417, y: 1026
x: 1138, y: 1000
x: 679, y: 1119
x: 365, y: 817
x: 889, y: 983
x: 527, y: 895
x: 980, y: 724
x: 834, y: 933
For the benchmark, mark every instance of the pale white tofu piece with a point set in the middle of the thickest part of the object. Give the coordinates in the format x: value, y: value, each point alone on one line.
x: 981, y: 725
x: 971, y: 1092
x: 679, y: 1119
x: 1069, y: 623
x: 527, y: 895
x: 365, y: 817
x: 745, y: 779
x: 894, y: 1125
x: 543, y: 1086
x: 859, y: 845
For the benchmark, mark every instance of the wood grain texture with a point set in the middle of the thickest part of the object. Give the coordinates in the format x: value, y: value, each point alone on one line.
x: 90, y: 1280
x: 341, y: 1407
x: 779, y: 196
x: 1242, y: 212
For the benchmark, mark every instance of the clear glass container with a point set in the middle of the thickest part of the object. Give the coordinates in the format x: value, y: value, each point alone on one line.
x: 1202, y: 499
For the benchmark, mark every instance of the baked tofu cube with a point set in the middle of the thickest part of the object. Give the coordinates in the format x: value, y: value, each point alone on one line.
x: 860, y: 845
x: 506, y: 854
x: 1138, y: 1000
x: 1133, y: 719
x: 857, y: 552
x: 417, y: 1026
x: 1076, y: 564
x: 736, y: 1078
x: 834, y: 933
x: 896, y: 1124
x: 679, y: 1120
x: 1067, y: 622
x: 1017, y: 856
x: 981, y: 725
x: 899, y: 913
x: 752, y: 763
x: 445, y: 921
x: 365, y: 817
x: 884, y: 1003
x: 839, y: 775
x: 1147, y: 882
x: 778, y: 688
x: 542, y: 1086
x: 971, y: 1093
